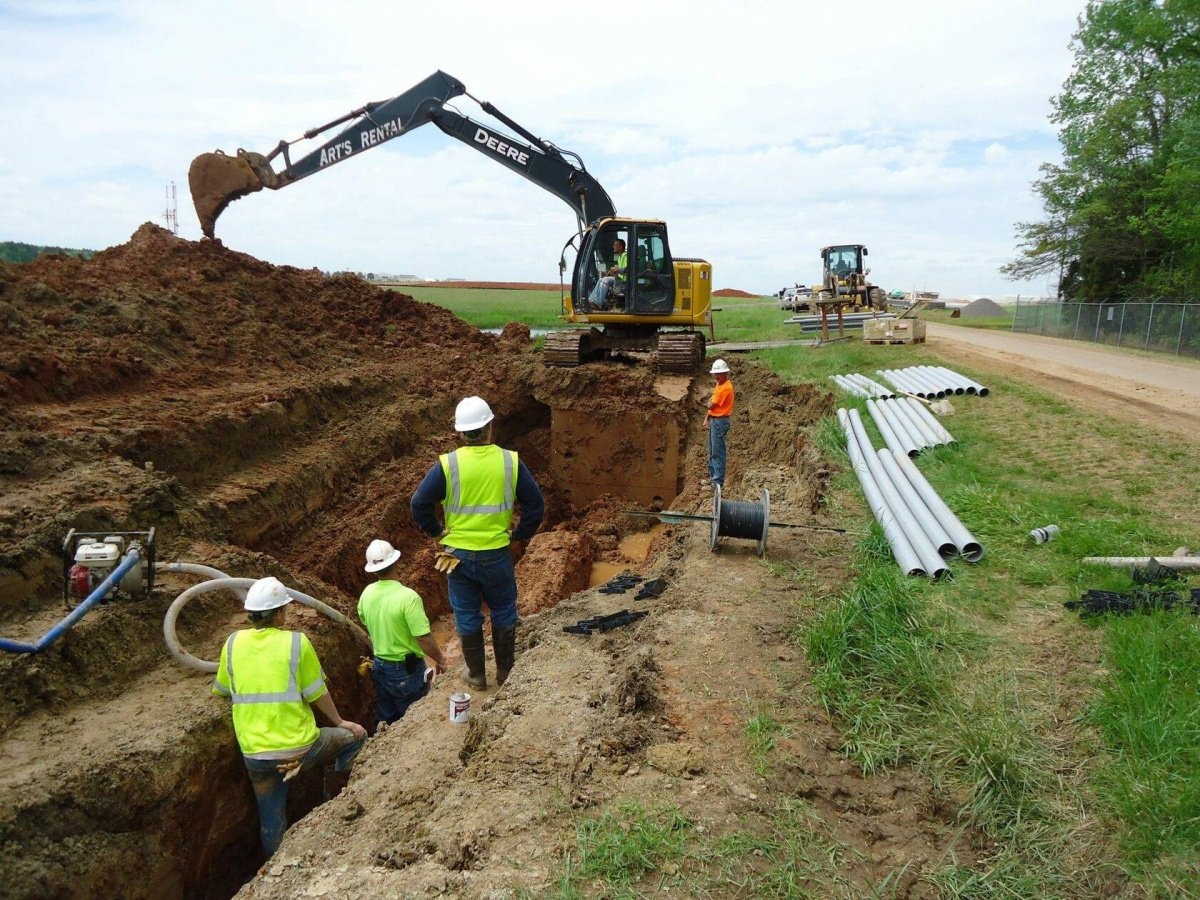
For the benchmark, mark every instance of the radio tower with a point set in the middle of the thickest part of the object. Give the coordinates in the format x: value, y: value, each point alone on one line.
x: 171, y: 213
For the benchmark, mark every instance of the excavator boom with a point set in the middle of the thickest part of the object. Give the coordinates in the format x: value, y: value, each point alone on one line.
x: 217, y: 179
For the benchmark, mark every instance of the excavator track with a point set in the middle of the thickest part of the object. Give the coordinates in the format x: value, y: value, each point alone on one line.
x: 680, y: 351
x: 566, y: 349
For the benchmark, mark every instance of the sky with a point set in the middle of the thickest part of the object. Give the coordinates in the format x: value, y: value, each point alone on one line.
x: 760, y: 130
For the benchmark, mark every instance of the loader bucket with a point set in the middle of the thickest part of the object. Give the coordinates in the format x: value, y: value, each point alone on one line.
x: 216, y: 180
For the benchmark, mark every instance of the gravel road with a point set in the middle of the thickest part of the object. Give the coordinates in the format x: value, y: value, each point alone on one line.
x: 1155, y: 389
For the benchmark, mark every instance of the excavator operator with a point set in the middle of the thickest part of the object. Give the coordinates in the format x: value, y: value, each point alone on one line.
x: 614, y: 280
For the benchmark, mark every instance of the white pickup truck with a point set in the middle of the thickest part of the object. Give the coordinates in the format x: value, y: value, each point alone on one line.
x: 795, y: 298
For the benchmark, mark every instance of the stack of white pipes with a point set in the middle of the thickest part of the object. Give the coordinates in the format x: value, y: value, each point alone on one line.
x: 931, y: 382
x: 918, y: 525
x: 861, y: 386
x: 907, y: 426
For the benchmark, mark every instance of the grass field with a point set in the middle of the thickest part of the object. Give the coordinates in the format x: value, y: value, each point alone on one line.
x: 489, y: 308
x: 1072, y: 745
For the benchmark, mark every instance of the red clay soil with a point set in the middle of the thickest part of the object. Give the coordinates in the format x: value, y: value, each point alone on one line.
x: 732, y: 292
x: 272, y: 420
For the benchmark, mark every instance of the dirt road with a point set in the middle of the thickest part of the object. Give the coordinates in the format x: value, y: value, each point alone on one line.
x: 1111, y: 380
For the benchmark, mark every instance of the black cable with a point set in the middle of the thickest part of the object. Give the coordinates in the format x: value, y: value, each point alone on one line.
x: 740, y: 520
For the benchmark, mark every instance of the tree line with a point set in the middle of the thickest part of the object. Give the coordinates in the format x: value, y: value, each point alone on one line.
x: 1122, y: 209
x: 16, y: 252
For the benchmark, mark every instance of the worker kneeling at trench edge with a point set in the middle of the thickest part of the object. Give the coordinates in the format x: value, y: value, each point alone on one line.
x: 273, y: 677
x: 479, y: 485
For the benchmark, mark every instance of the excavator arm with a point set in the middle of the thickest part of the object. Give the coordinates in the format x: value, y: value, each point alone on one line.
x: 216, y: 179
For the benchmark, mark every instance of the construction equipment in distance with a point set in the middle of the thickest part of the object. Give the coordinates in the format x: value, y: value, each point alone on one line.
x: 844, y: 279
x: 659, y: 302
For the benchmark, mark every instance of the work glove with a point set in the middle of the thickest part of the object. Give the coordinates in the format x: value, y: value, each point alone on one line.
x: 445, y: 561
x: 290, y: 769
x: 365, y: 665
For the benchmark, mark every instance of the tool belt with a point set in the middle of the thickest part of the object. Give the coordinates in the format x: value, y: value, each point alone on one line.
x: 411, y: 664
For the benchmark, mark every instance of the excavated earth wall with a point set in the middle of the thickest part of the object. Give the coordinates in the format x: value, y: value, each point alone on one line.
x: 270, y: 420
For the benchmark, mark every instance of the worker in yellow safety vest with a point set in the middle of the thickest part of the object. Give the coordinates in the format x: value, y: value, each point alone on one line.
x: 273, y: 677
x: 479, y: 485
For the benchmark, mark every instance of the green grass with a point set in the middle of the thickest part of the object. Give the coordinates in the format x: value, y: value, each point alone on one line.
x: 988, y: 323
x: 938, y: 676
x: 761, y: 732
x: 613, y: 852
x: 493, y: 308
x: 1150, y: 717
x: 794, y: 858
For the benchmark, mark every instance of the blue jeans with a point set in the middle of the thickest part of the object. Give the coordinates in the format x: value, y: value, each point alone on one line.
x: 599, y: 295
x: 271, y: 791
x: 395, y: 689
x: 482, y: 577
x: 717, y: 429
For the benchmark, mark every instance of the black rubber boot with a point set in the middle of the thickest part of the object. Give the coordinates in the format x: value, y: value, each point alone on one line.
x: 504, y: 643
x: 474, y: 656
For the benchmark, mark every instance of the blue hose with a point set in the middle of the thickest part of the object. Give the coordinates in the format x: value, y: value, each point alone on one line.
x: 102, y: 589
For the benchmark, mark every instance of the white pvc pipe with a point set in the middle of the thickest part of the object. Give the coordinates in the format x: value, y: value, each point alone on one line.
x: 931, y: 386
x: 907, y: 384
x: 902, y: 550
x: 968, y: 547
x: 931, y: 560
x: 894, y: 439
x: 849, y: 386
x: 929, y: 419
x: 930, y: 526
x: 929, y: 437
x: 900, y: 385
x: 907, y: 435
x: 951, y: 385
x: 876, y: 389
x: 972, y: 387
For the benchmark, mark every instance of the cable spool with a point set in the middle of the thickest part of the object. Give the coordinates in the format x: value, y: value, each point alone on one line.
x: 733, y: 518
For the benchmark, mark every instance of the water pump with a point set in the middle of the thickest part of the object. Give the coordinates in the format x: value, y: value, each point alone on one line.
x: 89, y: 557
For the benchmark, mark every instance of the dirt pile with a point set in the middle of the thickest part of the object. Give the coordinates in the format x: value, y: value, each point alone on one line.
x: 169, y: 309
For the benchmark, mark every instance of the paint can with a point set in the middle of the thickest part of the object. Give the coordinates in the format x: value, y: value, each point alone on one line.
x: 1044, y: 534
x: 460, y: 708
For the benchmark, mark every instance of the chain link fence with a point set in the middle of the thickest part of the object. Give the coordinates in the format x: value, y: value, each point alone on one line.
x: 1172, y: 328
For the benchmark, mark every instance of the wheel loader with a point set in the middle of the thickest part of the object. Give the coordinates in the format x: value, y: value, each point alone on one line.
x: 844, y: 279
x: 654, y: 301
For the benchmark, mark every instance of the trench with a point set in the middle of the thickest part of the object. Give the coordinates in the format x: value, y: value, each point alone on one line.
x: 169, y: 812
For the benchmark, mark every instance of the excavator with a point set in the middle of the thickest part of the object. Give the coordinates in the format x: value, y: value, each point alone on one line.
x: 653, y: 301
x: 844, y: 279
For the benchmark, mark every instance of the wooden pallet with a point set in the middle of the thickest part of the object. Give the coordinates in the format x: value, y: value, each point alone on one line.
x: 907, y: 340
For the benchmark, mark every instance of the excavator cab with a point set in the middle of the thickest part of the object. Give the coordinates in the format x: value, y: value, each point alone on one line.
x: 641, y: 297
x: 640, y: 274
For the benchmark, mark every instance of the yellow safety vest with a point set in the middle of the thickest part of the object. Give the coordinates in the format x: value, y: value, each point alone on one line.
x: 272, y: 676
x: 481, y: 487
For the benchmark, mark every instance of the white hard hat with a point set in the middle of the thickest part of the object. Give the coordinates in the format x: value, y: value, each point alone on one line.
x: 266, y: 594
x: 472, y: 414
x: 380, y: 555
x: 718, y: 367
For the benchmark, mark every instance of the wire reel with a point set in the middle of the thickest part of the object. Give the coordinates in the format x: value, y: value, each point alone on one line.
x: 737, y: 519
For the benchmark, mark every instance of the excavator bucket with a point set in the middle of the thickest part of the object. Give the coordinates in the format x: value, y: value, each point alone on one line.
x: 216, y: 180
